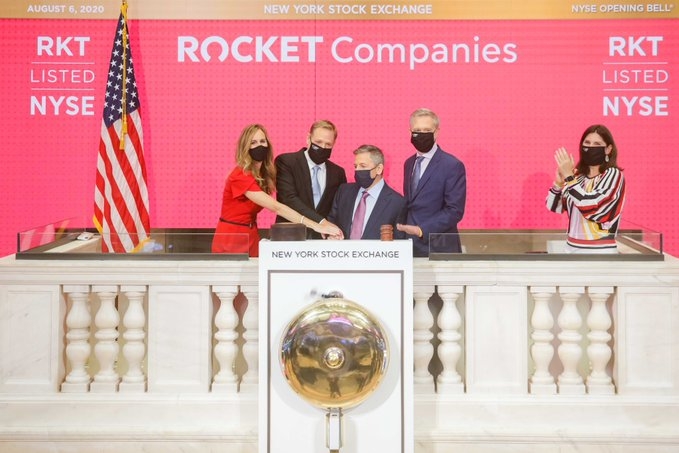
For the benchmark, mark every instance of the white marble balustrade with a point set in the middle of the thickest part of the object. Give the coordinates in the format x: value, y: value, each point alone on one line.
x: 529, y: 354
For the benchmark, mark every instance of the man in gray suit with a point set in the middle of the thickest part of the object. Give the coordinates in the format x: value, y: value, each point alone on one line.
x: 362, y: 207
x: 307, y: 180
x: 435, y: 189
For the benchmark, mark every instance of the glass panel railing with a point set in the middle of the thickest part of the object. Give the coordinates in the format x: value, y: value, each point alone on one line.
x: 633, y: 237
x: 73, y: 239
x: 42, y: 236
x: 68, y: 240
x: 634, y: 243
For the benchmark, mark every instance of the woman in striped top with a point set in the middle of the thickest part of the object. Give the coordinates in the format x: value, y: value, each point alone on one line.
x: 591, y: 192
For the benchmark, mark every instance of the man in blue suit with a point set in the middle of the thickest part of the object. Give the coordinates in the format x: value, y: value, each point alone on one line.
x: 435, y: 189
x: 360, y: 216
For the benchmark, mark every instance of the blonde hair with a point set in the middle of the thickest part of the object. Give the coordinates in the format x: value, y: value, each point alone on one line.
x: 265, y: 175
x: 323, y: 124
x: 424, y: 112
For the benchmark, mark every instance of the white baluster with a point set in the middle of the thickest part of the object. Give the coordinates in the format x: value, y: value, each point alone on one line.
x: 423, y: 350
x: 77, y: 338
x: 542, y: 351
x: 570, y: 350
x: 598, y: 351
x: 226, y: 321
x: 134, y: 349
x: 106, y: 348
x: 251, y: 337
x: 450, y: 350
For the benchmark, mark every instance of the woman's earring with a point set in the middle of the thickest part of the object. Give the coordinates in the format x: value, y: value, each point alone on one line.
x: 607, y: 159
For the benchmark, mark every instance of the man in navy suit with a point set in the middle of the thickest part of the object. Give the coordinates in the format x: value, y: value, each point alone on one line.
x: 306, y: 180
x: 435, y: 189
x: 382, y: 204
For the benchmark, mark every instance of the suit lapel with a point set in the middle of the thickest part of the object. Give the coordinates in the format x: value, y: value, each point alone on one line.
x: 328, y: 181
x: 305, y: 177
x: 410, y: 163
x: 350, y: 201
x: 331, y: 179
x: 380, y: 205
x: 353, y: 192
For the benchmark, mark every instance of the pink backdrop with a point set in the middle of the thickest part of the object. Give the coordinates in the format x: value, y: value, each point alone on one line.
x: 503, y: 117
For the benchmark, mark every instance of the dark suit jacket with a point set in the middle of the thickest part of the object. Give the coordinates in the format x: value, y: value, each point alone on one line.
x: 438, y: 203
x: 387, y: 211
x: 293, y: 187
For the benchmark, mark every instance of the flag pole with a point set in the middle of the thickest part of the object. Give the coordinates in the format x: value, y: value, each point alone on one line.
x: 121, y: 205
x: 123, y: 132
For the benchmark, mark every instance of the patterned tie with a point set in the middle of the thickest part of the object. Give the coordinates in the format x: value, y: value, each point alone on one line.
x: 416, y: 175
x: 315, y: 185
x: 359, y: 218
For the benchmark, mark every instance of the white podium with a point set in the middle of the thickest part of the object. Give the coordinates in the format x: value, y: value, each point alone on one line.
x: 374, y: 274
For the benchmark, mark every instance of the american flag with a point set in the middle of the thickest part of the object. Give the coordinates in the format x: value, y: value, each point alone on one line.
x: 121, y: 200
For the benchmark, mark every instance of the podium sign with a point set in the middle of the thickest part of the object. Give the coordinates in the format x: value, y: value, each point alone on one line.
x: 377, y: 277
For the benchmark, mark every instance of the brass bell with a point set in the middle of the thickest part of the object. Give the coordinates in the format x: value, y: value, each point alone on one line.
x: 334, y: 353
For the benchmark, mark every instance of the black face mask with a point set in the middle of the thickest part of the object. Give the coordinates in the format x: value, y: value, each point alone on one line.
x: 259, y: 153
x: 318, y: 154
x: 592, y: 155
x: 363, y: 178
x: 422, y: 141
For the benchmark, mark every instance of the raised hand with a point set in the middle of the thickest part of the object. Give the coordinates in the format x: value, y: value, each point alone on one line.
x: 564, y: 162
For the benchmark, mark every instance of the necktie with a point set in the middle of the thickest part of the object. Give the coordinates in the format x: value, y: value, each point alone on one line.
x: 416, y: 174
x: 359, y: 218
x: 315, y: 185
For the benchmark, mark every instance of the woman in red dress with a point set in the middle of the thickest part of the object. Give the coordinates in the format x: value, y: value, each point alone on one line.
x: 247, y: 190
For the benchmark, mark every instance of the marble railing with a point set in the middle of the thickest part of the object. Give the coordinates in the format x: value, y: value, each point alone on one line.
x: 532, y: 353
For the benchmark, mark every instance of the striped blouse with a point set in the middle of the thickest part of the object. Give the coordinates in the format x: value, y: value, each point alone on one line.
x: 594, y: 206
